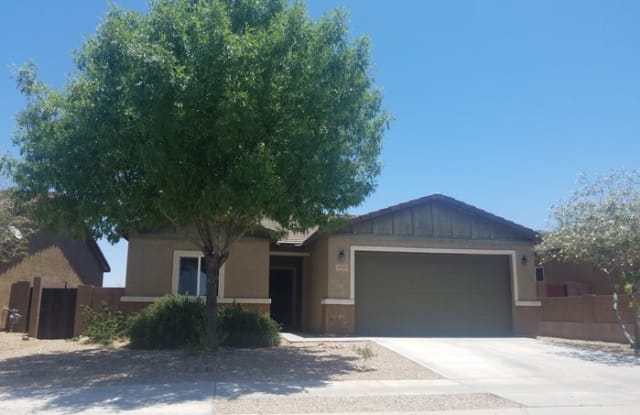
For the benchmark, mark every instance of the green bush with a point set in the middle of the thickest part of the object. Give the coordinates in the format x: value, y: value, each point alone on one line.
x: 104, y: 327
x: 243, y: 328
x: 170, y: 323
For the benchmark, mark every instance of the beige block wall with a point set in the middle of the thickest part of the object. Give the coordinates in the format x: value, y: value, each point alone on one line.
x: 50, y: 264
x: 150, y: 266
x: 339, y: 280
x: 562, y: 272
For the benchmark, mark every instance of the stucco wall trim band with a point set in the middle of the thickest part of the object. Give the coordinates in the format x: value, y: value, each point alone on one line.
x: 511, y: 253
x: 337, y: 301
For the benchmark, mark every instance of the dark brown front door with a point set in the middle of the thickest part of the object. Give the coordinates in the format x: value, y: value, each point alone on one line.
x: 282, y: 294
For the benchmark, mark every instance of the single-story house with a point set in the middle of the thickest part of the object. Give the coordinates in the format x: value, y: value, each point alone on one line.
x: 433, y: 266
x: 57, y: 259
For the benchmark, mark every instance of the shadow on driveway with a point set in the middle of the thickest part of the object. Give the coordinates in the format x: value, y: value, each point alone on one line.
x: 597, y: 353
x: 125, y: 379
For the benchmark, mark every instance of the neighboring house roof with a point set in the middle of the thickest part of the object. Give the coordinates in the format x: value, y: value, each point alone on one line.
x: 42, y: 239
x: 454, y: 203
x: 97, y: 252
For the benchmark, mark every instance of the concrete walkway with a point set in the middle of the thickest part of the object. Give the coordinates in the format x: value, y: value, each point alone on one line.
x: 181, y: 398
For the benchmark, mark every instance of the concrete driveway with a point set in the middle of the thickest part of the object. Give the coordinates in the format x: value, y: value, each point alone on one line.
x: 530, y: 372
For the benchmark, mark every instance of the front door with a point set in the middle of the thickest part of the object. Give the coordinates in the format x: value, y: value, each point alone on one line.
x: 282, y: 293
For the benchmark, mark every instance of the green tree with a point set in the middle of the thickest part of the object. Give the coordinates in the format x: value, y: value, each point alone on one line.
x: 212, y: 114
x: 15, y: 229
x: 599, y: 225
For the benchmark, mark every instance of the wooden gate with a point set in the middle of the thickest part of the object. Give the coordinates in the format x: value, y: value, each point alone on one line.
x: 57, y: 313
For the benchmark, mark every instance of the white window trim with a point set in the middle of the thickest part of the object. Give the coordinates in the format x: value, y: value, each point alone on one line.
x: 176, y: 271
x: 357, y: 248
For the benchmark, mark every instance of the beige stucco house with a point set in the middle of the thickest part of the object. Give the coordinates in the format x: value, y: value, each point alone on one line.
x: 433, y: 266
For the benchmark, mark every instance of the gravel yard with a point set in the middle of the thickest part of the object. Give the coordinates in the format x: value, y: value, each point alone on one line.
x: 41, y: 365
x: 397, y: 403
x: 45, y: 363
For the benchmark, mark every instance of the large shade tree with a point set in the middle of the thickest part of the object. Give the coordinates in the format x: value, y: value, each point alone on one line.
x: 212, y: 114
x: 599, y: 225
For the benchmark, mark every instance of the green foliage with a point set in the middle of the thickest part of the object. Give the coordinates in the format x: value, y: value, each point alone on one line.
x: 170, y: 323
x: 599, y: 225
x: 15, y: 229
x: 211, y: 114
x: 245, y: 328
x: 104, y: 327
x: 365, y: 352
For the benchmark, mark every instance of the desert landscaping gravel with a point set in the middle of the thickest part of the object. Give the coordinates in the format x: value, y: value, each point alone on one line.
x: 397, y: 403
x: 47, y: 363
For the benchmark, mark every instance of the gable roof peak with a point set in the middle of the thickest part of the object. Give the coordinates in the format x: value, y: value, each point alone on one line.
x: 454, y: 203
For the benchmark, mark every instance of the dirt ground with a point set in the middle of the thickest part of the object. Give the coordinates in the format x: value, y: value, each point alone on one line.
x: 45, y: 363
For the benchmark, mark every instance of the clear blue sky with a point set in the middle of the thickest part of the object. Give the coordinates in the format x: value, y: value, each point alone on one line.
x: 497, y: 103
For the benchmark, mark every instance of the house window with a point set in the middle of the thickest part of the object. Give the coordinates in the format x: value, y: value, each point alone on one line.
x: 189, y: 274
x: 539, y: 274
x: 192, y: 279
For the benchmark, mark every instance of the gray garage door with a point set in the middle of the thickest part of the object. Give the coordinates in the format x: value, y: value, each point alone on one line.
x: 408, y: 294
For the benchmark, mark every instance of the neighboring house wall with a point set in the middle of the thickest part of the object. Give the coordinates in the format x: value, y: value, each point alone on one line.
x: 562, y: 272
x: 55, y: 259
x: 49, y: 263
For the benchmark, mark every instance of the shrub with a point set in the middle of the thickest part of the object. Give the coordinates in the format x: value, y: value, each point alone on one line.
x: 365, y: 352
x: 104, y: 327
x: 238, y: 327
x: 170, y: 323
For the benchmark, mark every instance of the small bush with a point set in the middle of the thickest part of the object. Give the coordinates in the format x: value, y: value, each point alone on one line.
x: 238, y: 327
x: 104, y: 327
x: 365, y: 352
x: 170, y: 323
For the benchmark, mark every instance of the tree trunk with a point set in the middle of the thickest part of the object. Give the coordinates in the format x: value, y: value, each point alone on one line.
x: 614, y: 289
x: 636, y: 344
x: 623, y: 326
x: 213, y: 264
x: 635, y: 300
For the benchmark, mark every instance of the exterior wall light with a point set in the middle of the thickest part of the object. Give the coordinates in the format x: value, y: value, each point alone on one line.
x: 524, y: 259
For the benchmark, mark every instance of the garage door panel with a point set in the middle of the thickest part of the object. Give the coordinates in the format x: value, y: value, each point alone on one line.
x: 432, y: 294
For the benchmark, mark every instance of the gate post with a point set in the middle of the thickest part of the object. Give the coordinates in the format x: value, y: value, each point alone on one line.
x: 19, y: 299
x: 84, y: 297
x: 34, y: 312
